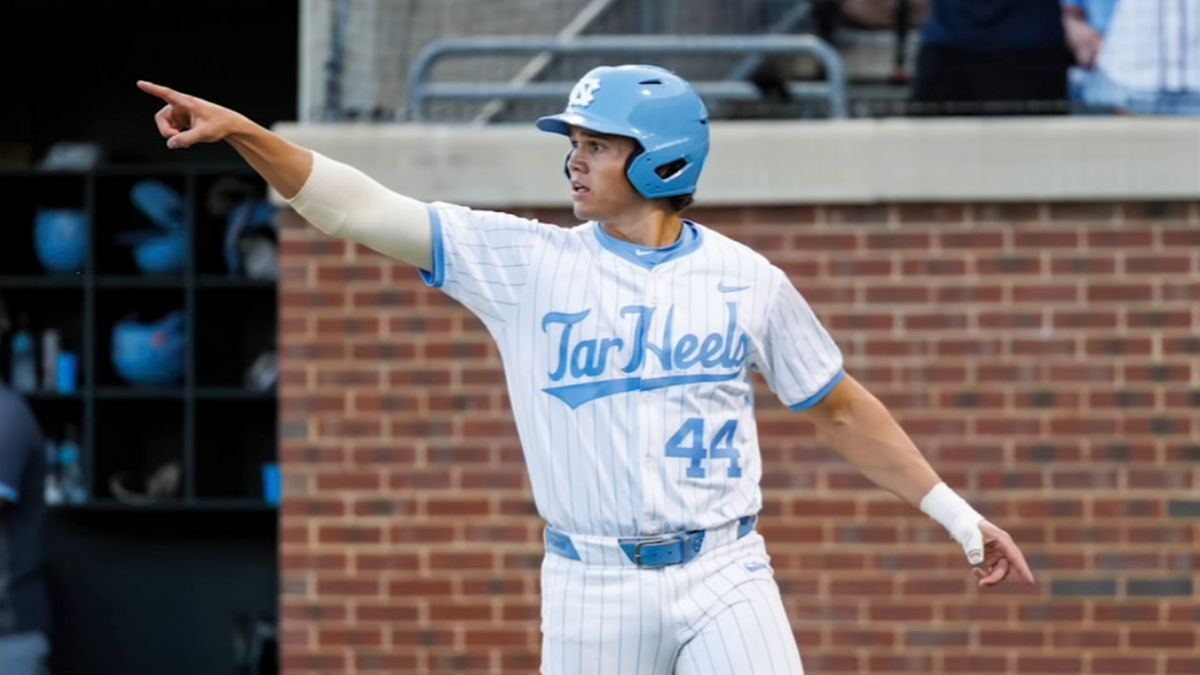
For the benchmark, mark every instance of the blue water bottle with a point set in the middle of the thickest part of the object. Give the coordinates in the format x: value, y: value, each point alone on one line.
x: 24, y: 361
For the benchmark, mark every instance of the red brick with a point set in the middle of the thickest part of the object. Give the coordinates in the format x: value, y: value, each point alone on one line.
x: 350, y: 637
x: 422, y: 637
x: 1159, y: 319
x: 1008, y: 212
x: 457, y: 506
x: 1181, y: 237
x: 313, y: 562
x: 1124, y: 239
x: 1076, y: 639
x: 1049, y: 664
x: 497, y: 638
x: 1123, y: 665
x: 461, y: 612
x: 1172, y: 291
x: 972, y: 294
x: 995, y: 637
x: 1090, y: 212
x: 975, y: 664
x: 1183, y: 665
x: 1162, y: 639
x: 446, y: 561
x: 1090, y: 318
x: 388, y: 662
x: 1120, y: 293
x: 342, y: 586
x: 387, y: 562
x: 862, y: 587
x: 971, y: 239
x: 411, y: 587
x: 294, y: 660
x: 385, y: 505
x: 1044, y: 293
x: 1010, y: 320
x: 1007, y: 265
x: 859, y: 267
x: 1044, y: 239
x: 357, y: 481
x: 1075, y: 265
x: 817, y: 242
x: 877, y: 638
x: 1158, y: 264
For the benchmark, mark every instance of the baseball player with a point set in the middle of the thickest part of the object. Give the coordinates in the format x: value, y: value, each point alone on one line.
x: 629, y: 344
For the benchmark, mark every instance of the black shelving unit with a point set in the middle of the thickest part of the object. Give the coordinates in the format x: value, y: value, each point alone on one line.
x: 230, y: 320
x: 151, y: 587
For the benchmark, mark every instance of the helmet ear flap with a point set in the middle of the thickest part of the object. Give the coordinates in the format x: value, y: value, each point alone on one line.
x: 670, y: 169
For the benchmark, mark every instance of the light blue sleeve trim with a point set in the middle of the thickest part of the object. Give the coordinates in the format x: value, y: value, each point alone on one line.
x: 436, y: 278
x: 821, y: 394
x: 6, y: 492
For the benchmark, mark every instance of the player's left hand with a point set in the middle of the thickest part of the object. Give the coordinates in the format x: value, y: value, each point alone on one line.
x: 1000, y: 556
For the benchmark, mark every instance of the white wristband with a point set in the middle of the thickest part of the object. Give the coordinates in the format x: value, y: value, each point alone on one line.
x: 956, y: 515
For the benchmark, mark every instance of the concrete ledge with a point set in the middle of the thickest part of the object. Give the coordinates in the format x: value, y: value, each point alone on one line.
x: 785, y: 162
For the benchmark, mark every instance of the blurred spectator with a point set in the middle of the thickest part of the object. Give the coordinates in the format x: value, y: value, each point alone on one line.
x: 1135, y: 56
x: 900, y: 16
x: 992, y: 57
x: 881, y: 13
x: 24, y: 606
x: 1085, y: 22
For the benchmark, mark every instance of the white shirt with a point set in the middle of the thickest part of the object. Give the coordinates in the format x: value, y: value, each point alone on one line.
x: 631, y: 378
x: 1153, y: 45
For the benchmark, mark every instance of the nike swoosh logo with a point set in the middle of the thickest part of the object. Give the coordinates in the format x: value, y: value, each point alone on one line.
x: 639, y: 251
x: 729, y: 289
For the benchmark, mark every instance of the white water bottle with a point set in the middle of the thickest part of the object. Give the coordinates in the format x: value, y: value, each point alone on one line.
x: 53, y: 493
x: 49, y: 359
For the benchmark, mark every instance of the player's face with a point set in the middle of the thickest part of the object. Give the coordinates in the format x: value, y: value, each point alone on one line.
x: 599, y: 188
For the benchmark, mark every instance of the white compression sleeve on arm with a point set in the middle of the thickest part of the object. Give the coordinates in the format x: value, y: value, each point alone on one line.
x: 344, y: 202
x: 954, y: 513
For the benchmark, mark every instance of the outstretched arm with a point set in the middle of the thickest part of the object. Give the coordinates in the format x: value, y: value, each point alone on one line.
x: 337, y: 199
x: 856, y: 424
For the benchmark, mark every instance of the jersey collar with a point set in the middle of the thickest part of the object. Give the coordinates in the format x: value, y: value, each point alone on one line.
x: 650, y: 257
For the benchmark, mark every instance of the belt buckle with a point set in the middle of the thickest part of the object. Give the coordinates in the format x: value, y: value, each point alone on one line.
x: 657, y: 541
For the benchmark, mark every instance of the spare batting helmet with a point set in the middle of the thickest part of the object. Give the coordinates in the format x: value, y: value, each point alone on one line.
x: 651, y: 105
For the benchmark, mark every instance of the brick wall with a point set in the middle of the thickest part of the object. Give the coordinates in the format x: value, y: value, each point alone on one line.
x: 1043, y: 356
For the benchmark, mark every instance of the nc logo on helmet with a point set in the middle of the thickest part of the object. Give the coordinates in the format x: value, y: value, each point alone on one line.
x: 584, y: 92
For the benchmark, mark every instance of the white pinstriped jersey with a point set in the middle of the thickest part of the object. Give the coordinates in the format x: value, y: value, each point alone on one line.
x: 631, y: 379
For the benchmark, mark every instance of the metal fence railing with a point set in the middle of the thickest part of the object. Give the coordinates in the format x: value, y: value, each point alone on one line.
x: 422, y: 90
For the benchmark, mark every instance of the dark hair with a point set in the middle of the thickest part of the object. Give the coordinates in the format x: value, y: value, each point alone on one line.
x: 680, y: 202
x: 4, y: 320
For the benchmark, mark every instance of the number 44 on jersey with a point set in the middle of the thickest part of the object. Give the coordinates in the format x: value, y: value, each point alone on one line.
x: 688, y: 442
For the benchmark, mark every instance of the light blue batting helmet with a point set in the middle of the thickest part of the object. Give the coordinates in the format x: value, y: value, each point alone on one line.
x: 651, y: 105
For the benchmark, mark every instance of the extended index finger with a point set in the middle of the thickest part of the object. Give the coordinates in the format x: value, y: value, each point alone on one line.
x: 165, y: 93
x: 1017, y: 559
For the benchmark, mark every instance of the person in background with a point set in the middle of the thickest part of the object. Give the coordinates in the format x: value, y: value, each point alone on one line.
x: 24, y: 601
x: 1085, y: 22
x: 992, y: 57
x: 1135, y: 58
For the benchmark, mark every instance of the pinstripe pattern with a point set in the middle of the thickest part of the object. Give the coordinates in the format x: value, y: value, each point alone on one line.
x: 631, y: 381
x: 718, y: 615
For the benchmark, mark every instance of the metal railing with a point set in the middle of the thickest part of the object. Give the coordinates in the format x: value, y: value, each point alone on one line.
x: 422, y: 90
